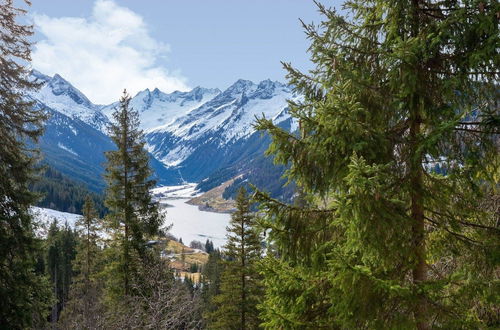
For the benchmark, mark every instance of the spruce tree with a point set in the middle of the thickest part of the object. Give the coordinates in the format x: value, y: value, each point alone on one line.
x: 381, y: 239
x: 240, y: 288
x: 210, y: 282
x: 24, y: 293
x: 84, y: 309
x: 133, y: 215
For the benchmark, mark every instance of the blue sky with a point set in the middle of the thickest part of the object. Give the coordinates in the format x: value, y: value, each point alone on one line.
x: 101, y: 45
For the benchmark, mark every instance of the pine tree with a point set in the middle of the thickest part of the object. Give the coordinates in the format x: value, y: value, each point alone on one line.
x: 24, y: 293
x: 382, y: 240
x: 236, y: 305
x: 84, y: 309
x: 133, y: 214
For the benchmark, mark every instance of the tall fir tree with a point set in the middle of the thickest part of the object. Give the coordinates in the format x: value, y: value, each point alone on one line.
x: 240, y: 288
x: 210, y: 280
x: 84, y: 308
x: 24, y: 293
x: 133, y: 215
x: 381, y: 239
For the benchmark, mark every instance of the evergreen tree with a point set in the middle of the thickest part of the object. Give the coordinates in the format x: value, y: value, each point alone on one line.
x: 84, y: 309
x: 210, y: 279
x: 24, y: 293
x: 209, y: 246
x: 61, y: 251
x: 133, y: 214
x: 240, y: 289
x: 381, y: 240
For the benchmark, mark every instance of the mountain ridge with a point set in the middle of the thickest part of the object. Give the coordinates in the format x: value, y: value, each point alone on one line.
x: 189, y: 135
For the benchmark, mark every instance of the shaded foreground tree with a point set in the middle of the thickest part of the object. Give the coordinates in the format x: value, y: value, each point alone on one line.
x: 382, y: 239
x: 25, y: 295
x: 210, y: 281
x: 85, y: 309
x: 60, y: 254
x: 133, y: 215
x: 240, y: 289
x: 161, y: 303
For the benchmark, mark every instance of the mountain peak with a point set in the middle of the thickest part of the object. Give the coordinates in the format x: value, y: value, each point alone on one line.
x: 240, y: 86
x: 61, y: 86
x: 37, y: 75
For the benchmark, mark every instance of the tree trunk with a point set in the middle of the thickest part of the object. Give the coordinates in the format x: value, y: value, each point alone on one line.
x: 125, y: 261
x: 419, y: 271
x: 417, y: 215
x: 243, y: 284
x: 54, y: 308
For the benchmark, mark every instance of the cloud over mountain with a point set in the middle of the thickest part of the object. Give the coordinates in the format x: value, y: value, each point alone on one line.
x: 104, y: 53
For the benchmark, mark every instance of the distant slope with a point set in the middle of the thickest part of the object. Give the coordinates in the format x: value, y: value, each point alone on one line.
x: 220, y: 133
x: 252, y: 167
x: 61, y: 193
x: 75, y: 148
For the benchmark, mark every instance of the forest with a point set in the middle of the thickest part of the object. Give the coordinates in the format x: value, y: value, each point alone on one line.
x: 393, y: 222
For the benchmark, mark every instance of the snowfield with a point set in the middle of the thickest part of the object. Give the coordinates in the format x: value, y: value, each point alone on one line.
x: 187, y: 190
x: 44, y: 218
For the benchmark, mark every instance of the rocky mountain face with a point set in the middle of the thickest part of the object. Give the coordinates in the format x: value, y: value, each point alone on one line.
x: 220, y: 132
x: 190, y: 135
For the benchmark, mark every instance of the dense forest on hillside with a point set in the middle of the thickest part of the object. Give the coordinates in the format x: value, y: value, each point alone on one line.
x: 264, y: 175
x: 61, y: 193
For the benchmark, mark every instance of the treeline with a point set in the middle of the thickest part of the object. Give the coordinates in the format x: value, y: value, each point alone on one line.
x: 60, y: 193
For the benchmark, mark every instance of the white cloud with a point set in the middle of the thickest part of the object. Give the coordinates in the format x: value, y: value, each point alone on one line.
x: 104, y: 54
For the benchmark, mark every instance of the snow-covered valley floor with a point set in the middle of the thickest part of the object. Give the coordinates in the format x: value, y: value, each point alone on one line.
x: 188, y: 222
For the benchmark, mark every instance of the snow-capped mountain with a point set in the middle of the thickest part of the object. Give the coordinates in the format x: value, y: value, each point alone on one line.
x: 157, y: 108
x: 73, y: 147
x: 189, y: 134
x: 74, y: 139
x: 225, y: 120
x: 58, y: 94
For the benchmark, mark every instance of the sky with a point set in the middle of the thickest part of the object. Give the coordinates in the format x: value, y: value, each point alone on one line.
x: 103, y: 46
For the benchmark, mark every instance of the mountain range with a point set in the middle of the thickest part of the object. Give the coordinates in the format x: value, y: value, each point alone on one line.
x: 190, y: 135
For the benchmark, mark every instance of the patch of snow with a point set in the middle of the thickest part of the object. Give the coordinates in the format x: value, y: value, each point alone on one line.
x: 62, y: 146
x: 45, y: 217
x: 181, y: 191
x: 75, y: 132
x: 176, y: 155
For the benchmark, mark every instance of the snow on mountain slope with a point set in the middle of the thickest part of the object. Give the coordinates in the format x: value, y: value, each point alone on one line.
x: 58, y: 94
x: 44, y: 217
x: 189, y: 134
x: 225, y: 119
x: 157, y: 108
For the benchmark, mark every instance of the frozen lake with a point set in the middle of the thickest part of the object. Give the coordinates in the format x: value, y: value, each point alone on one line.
x: 191, y: 224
